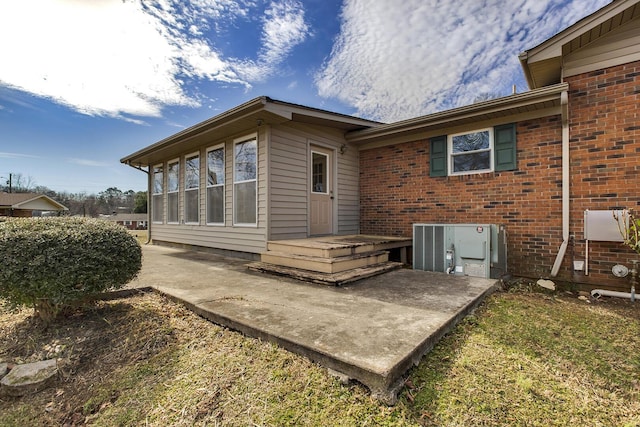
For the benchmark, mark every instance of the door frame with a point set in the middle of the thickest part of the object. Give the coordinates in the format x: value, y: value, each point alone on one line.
x: 331, y: 192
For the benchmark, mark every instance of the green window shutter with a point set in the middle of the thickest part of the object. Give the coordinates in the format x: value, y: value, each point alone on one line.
x: 504, y: 145
x: 438, y: 156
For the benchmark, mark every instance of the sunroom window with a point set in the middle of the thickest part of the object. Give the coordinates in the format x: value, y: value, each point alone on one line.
x: 215, y: 186
x: 173, y: 179
x: 191, y: 188
x: 245, y: 168
x: 157, y: 197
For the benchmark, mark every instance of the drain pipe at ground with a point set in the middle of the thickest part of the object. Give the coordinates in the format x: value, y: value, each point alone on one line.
x: 597, y: 293
x: 148, y: 200
x: 564, y: 104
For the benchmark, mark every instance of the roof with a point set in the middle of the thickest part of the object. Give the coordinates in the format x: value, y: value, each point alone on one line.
x: 527, y: 105
x: 128, y: 217
x: 29, y: 201
x: 543, y: 65
x: 250, y: 115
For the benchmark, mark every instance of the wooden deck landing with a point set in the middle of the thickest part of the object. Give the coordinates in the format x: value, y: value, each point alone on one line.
x: 333, y: 260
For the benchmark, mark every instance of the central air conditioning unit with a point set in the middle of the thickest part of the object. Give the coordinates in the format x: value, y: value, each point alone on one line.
x: 477, y: 250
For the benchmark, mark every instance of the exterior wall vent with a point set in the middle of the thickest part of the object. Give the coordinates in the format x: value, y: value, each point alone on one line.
x: 477, y: 250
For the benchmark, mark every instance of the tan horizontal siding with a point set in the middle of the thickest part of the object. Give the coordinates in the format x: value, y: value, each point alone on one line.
x: 242, y: 239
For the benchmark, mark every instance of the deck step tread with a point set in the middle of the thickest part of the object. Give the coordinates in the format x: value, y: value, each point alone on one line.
x: 333, y: 279
x: 329, y: 260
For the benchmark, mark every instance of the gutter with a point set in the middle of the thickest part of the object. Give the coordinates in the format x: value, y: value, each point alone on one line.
x: 148, y: 200
x: 524, y: 63
x: 492, y: 106
x: 564, y: 101
x: 243, y: 109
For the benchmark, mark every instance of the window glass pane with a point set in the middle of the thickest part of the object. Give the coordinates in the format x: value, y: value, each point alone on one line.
x: 215, y: 167
x: 245, y: 202
x: 245, y: 161
x: 472, y: 162
x: 173, y: 176
x: 192, y: 172
x: 157, y: 207
x: 157, y: 180
x: 191, y: 205
x: 319, y: 176
x: 172, y: 207
x: 215, y: 205
x: 471, y: 142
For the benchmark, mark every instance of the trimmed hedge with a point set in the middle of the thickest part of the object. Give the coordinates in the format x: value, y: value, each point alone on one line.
x: 50, y: 263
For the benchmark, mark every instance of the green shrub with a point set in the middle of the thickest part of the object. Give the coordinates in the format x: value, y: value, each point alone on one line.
x: 52, y: 263
x: 631, y: 231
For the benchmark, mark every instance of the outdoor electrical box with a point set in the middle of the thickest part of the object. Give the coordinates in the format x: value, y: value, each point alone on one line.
x: 477, y: 250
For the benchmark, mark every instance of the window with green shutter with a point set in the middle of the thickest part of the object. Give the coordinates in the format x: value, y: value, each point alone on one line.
x: 482, y: 150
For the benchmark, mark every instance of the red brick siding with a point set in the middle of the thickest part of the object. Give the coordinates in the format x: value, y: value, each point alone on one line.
x: 396, y: 190
x: 605, y: 158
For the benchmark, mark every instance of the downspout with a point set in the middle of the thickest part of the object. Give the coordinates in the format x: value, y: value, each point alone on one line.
x: 564, y: 103
x: 148, y: 200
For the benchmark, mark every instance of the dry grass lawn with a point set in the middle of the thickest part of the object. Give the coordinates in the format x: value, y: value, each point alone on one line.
x: 523, y: 359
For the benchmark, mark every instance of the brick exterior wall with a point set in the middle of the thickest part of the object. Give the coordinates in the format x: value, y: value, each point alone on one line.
x: 396, y: 190
x: 605, y: 159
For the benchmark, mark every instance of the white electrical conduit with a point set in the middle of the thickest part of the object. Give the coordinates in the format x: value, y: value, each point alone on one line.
x: 564, y: 103
x: 597, y: 293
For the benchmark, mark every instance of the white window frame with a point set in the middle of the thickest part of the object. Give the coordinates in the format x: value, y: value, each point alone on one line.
x: 451, y: 154
x: 223, y: 185
x: 176, y: 191
x: 325, y: 190
x: 252, y: 137
x: 160, y: 194
x: 192, y: 189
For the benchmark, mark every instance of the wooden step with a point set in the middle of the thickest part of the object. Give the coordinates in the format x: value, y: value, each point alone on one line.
x: 325, y: 265
x: 333, y: 279
x: 320, y: 248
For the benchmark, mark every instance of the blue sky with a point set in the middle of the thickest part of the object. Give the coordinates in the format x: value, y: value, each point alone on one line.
x: 85, y: 82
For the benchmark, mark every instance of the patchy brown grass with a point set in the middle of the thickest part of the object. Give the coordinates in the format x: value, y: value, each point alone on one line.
x: 522, y: 359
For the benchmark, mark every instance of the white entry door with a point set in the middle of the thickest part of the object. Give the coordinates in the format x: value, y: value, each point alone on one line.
x: 321, y: 197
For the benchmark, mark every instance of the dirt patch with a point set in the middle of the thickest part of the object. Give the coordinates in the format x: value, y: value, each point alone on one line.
x: 89, y: 346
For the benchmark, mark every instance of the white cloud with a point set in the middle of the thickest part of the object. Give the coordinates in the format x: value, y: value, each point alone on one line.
x: 283, y: 28
x: 123, y: 58
x: 87, y: 162
x: 395, y: 60
x: 7, y: 155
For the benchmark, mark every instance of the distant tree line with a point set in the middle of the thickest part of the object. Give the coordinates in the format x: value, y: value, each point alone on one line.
x: 107, y: 202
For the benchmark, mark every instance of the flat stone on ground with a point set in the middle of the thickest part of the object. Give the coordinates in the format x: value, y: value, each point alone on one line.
x: 29, y: 378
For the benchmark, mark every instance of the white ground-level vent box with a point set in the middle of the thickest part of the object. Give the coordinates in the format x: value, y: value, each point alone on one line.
x: 478, y: 250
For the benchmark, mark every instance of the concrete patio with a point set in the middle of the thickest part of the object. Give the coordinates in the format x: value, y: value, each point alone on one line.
x: 372, y: 330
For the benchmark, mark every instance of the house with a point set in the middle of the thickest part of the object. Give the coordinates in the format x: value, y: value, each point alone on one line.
x: 24, y: 204
x: 130, y: 221
x: 534, y: 162
x: 265, y: 170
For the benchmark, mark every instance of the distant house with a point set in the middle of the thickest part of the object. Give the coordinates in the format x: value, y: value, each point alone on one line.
x: 534, y: 162
x: 24, y: 204
x: 130, y: 221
